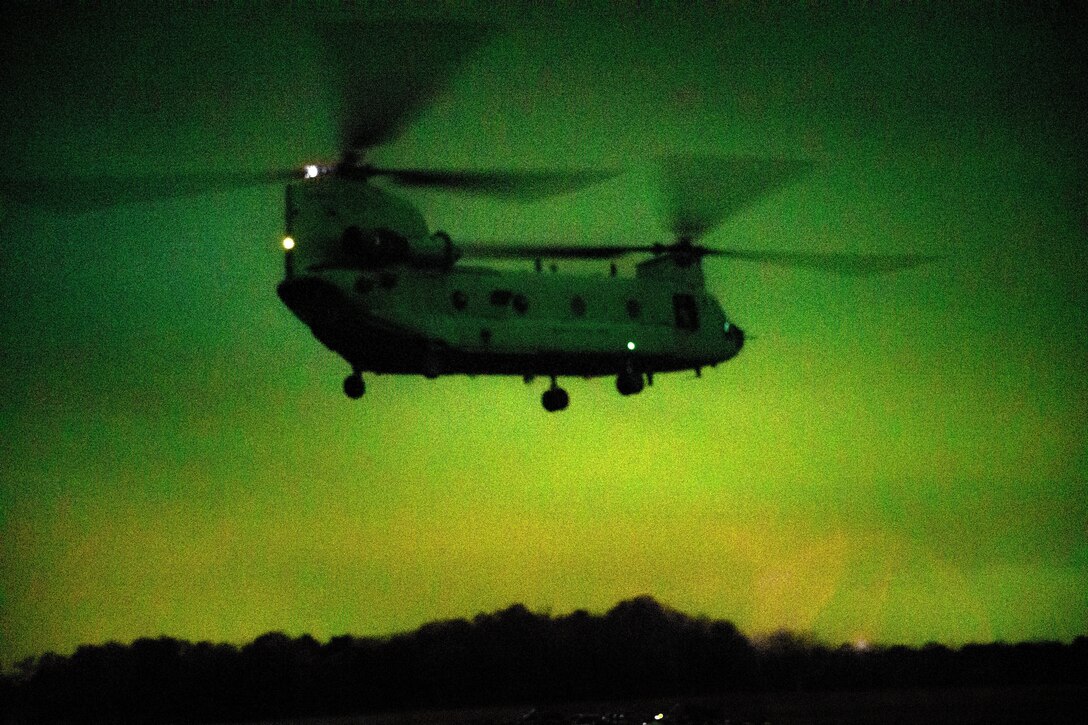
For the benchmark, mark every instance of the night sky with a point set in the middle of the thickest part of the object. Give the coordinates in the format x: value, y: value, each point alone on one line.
x: 895, y: 459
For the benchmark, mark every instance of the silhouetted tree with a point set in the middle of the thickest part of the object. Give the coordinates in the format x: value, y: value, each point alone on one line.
x: 7, y: 698
x: 638, y: 649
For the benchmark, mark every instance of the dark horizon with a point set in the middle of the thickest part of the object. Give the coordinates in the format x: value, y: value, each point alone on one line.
x: 638, y: 650
x: 758, y: 639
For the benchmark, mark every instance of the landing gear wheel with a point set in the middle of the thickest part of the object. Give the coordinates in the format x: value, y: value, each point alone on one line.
x: 629, y: 383
x: 354, y: 387
x: 555, y: 398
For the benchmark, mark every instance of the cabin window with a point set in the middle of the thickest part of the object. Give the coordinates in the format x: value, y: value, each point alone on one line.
x: 520, y: 304
x: 459, y: 300
x: 501, y: 297
x: 578, y: 306
x: 686, y: 312
x: 634, y: 309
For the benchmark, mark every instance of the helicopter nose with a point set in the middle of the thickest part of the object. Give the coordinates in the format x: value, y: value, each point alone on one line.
x: 313, y: 300
x: 734, y: 338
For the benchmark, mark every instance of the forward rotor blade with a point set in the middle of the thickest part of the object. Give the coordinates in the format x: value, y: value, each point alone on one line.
x: 523, y: 185
x: 699, y: 193
x: 839, y: 263
x: 385, y: 75
x: 79, y: 194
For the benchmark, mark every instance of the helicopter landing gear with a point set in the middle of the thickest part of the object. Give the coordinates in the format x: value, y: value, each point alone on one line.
x: 555, y: 398
x: 629, y: 382
x: 354, y: 387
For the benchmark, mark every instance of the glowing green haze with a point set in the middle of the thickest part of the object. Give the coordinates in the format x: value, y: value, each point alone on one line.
x: 896, y: 458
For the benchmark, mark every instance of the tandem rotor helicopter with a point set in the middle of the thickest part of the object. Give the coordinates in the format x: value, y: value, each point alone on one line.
x: 375, y: 286
x: 372, y: 281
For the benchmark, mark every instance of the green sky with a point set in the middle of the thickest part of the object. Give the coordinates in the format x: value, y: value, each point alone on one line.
x: 895, y: 459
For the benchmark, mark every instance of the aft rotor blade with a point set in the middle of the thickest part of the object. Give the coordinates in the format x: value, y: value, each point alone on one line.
x: 700, y: 193
x: 839, y: 263
x: 79, y: 194
x: 546, y: 251
x: 386, y: 74
x: 525, y: 185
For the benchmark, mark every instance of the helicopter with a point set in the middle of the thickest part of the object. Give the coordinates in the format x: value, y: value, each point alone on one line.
x: 363, y: 272
x: 374, y: 284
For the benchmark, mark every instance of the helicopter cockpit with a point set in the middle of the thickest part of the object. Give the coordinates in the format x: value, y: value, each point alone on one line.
x: 372, y: 248
x: 348, y: 224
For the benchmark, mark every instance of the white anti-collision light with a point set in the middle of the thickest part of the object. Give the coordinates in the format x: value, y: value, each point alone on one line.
x: 288, y: 243
x: 630, y: 345
x: 312, y: 171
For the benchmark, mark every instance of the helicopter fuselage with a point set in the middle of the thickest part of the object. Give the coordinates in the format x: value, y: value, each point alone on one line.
x: 378, y: 289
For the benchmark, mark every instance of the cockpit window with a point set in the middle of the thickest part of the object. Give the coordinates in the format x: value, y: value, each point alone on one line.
x: 501, y: 297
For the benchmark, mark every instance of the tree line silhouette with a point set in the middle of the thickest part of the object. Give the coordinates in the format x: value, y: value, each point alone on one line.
x: 637, y: 650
